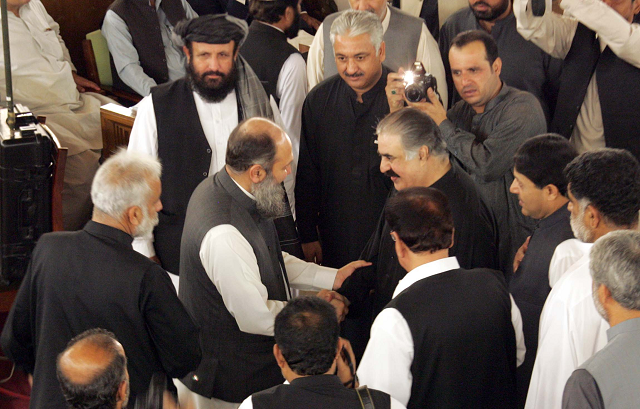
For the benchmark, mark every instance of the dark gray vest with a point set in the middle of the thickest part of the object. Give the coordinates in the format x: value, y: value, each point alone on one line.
x: 142, y: 22
x: 618, y: 90
x: 234, y: 364
x: 401, y: 39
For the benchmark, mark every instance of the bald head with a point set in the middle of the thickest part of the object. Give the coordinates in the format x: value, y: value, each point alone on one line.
x: 92, y: 369
x: 254, y: 142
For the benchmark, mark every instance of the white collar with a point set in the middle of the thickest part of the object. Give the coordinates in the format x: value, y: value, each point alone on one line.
x: 385, y: 20
x: 272, y: 26
x: 426, y: 270
x: 243, y: 189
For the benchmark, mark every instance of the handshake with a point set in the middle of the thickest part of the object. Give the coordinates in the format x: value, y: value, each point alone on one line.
x: 340, y: 303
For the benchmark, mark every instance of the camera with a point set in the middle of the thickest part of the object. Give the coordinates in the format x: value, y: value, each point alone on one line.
x: 417, y: 81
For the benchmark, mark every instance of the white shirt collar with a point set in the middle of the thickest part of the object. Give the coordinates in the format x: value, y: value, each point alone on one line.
x: 270, y: 25
x: 243, y: 189
x: 424, y: 271
x: 385, y: 20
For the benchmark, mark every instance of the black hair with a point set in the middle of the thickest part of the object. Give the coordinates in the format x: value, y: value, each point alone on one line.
x: 247, y: 149
x: 609, y: 179
x: 467, y: 37
x: 270, y: 11
x: 421, y: 218
x: 100, y: 392
x: 543, y: 158
x: 307, y: 332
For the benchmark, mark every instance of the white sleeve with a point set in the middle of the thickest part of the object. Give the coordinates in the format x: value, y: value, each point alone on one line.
x: 315, y: 59
x: 125, y: 56
x: 622, y: 37
x: 308, y: 276
x: 292, y: 90
x: 552, y: 32
x: 516, y: 320
x: 429, y: 54
x: 144, y: 139
x: 555, y: 359
x: 247, y: 404
x: 564, y: 256
x: 232, y: 266
x: 386, y: 363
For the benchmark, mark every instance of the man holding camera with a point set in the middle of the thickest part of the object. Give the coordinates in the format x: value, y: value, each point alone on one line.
x: 339, y: 190
x: 484, y: 130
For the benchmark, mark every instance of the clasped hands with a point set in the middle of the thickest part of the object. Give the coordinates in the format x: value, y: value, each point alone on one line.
x: 397, y: 99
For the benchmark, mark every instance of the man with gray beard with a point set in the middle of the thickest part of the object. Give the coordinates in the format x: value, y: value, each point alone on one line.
x: 92, y: 278
x: 234, y: 277
x: 604, y: 195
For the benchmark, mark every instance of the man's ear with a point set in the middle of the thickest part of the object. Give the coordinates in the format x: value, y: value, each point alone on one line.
x: 186, y: 52
x: 423, y: 152
x: 550, y: 192
x: 289, y: 15
x: 134, y: 215
x: 401, y: 248
x: 453, y: 235
x: 121, y: 396
x: 593, y: 218
x: 257, y: 173
x: 382, y: 53
x: 636, y: 7
x: 279, y: 357
x: 497, y: 66
x: 604, y: 296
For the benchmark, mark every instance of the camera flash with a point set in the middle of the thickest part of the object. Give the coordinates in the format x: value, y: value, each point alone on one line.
x: 408, y: 77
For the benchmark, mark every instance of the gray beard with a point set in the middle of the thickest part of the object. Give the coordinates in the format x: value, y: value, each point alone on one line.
x: 580, y: 231
x: 269, y: 196
x: 147, y: 225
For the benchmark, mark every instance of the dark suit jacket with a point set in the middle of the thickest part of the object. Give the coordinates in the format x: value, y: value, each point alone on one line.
x: 93, y: 278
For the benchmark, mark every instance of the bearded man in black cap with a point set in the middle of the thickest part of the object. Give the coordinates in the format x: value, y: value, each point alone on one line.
x: 187, y: 122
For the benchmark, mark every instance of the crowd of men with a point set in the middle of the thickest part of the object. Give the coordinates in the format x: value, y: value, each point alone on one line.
x: 475, y: 248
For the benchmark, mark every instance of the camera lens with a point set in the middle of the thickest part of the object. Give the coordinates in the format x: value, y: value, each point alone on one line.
x: 414, y: 93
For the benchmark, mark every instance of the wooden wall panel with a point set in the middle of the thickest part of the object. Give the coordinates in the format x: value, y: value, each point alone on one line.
x: 76, y: 19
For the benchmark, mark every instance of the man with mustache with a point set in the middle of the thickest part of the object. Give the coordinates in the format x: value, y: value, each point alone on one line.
x: 408, y: 40
x: 186, y: 123
x: 92, y: 278
x: 414, y: 154
x: 524, y: 65
x: 604, y: 196
x: 339, y: 190
x: 484, y: 130
x: 235, y: 278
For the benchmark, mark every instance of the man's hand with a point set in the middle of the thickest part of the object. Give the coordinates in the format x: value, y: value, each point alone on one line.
x: 312, y: 22
x: 339, y: 302
x: 395, y: 90
x: 84, y: 84
x: 346, y: 372
x: 347, y: 270
x: 520, y: 254
x: 433, y: 108
x: 312, y: 252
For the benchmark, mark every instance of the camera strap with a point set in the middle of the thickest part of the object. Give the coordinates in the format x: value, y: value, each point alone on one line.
x: 365, y: 397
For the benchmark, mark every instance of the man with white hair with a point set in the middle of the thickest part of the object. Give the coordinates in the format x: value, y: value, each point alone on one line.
x: 93, y: 278
x: 340, y: 191
x: 610, y: 378
x: 604, y: 196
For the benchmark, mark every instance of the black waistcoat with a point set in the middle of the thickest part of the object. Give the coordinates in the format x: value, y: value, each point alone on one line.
x: 464, y: 342
x: 618, y: 89
x: 142, y: 22
x: 315, y: 392
x: 266, y: 49
x: 185, y: 154
x: 234, y: 364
